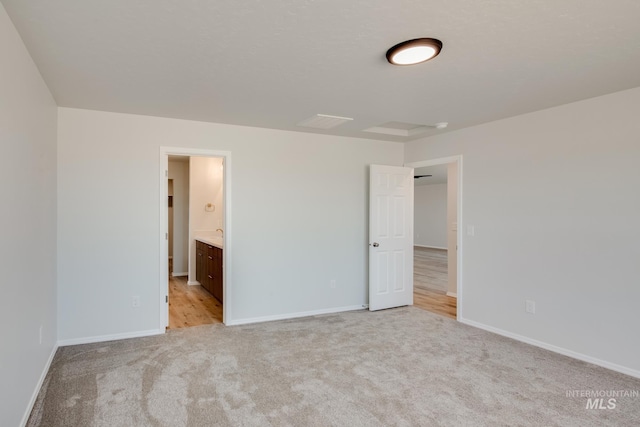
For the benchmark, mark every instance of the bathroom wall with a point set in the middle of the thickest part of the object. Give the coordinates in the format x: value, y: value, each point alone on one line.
x: 205, y: 203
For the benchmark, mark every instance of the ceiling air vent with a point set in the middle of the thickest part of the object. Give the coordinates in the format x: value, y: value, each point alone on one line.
x: 324, y: 121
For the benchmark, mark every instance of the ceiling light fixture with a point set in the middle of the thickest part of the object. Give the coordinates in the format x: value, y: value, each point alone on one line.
x: 414, y: 51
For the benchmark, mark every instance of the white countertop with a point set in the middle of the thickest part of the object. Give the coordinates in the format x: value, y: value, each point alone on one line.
x: 212, y: 240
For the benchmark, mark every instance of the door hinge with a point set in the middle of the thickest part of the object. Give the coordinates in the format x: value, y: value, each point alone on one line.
x: 166, y: 173
x: 166, y: 236
x: 166, y: 299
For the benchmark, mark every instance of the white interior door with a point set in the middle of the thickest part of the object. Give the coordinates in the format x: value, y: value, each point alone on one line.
x: 390, y: 237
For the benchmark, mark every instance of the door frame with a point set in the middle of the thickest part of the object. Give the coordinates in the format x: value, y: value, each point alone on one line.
x: 163, y: 287
x: 460, y: 235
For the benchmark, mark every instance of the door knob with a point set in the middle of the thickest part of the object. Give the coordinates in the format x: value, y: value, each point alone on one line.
x: 375, y: 244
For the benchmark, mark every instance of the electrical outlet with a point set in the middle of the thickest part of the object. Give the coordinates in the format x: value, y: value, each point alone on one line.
x: 332, y: 284
x: 135, y: 301
x: 530, y: 306
x: 40, y: 334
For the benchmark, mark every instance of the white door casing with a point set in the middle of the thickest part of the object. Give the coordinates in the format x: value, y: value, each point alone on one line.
x: 390, y: 237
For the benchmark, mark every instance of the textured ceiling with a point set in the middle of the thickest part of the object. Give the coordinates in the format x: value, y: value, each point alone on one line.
x: 274, y: 63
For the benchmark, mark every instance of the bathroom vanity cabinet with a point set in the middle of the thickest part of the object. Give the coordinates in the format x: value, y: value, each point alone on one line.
x: 209, y: 268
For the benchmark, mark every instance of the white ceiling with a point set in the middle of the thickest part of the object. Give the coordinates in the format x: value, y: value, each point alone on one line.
x: 274, y: 63
x: 438, y: 172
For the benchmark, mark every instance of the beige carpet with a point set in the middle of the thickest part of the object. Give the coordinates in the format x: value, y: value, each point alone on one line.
x: 400, y: 367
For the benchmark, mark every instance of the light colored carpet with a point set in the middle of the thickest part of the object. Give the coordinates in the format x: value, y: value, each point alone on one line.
x: 399, y: 367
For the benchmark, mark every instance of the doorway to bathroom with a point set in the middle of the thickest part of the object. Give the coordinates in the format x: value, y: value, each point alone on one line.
x: 194, y: 230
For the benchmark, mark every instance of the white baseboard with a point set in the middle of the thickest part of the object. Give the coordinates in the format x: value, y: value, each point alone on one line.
x: 614, y: 367
x: 193, y: 282
x: 34, y: 396
x: 430, y: 247
x: 452, y: 294
x: 113, y: 337
x: 174, y: 274
x: 295, y: 315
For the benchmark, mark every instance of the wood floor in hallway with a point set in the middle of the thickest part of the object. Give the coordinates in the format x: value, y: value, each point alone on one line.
x: 191, y: 305
x: 430, y: 282
x: 430, y: 269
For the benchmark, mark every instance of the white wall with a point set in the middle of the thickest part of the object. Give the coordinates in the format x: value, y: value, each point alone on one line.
x: 430, y: 220
x: 205, y: 187
x: 179, y: 173
x: 554, y: 199
x: 299, y: 216
x: 28, y: 116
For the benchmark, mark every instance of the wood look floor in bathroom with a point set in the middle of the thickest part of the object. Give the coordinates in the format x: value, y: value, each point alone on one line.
x: 191, y: 305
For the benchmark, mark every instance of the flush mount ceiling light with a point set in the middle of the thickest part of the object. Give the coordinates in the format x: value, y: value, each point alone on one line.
x: 414, y: 51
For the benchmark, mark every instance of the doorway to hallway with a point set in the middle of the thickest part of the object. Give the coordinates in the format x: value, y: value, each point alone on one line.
x: 436, y: 241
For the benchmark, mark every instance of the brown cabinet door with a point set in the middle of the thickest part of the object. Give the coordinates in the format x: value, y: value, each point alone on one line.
x: 210, y: 269
x: 217, y: 274
x: 199, y: 264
